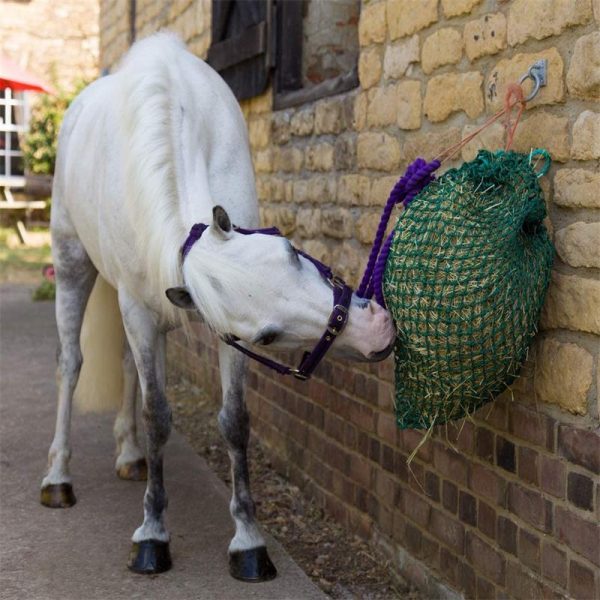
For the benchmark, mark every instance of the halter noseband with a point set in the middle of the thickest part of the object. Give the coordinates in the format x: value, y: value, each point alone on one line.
x: 342, y: 296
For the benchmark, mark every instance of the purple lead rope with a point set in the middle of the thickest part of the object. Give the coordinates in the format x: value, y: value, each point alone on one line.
x: 418, y: 175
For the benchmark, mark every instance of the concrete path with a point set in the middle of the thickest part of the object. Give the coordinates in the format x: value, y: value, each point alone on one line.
x: 80, y: 553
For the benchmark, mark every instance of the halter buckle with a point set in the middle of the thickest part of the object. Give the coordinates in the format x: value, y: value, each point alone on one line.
x: 298, y: 375
x: 337, y: 281
x: 340, y: 321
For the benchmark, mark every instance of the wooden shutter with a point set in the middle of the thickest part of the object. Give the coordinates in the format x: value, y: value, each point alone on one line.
x: 241, y: 48
x: 289, y: 45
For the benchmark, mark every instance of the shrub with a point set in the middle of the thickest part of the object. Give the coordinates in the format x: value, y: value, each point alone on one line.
x: 39, y: 143
x: 45, y: 291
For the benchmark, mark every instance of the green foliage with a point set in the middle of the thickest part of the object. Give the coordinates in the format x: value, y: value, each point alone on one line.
x: 45, y: 291
x: 39, y: 144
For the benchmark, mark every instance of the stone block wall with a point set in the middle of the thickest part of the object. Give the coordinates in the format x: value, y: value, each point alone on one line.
x: 506, y: 503
x: 57, y: 41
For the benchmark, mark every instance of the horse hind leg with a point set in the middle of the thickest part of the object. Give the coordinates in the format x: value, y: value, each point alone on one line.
x: 248, y: 557
x: 131, y: 463
x: 75, y: 275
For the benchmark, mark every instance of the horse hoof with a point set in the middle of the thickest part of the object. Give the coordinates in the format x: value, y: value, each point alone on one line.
x: 58, y: 495
x: 252, y: 565
x: 149, y: 557
x: 134, y: 471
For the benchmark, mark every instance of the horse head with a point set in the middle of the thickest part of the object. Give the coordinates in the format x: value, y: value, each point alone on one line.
x: 261, y: 290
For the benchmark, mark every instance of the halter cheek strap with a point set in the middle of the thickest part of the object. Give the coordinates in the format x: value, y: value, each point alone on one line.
x: 342, y: 296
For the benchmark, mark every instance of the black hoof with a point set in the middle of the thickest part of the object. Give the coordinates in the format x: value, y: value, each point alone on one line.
x: 58, y: 495
x: 252, y: 565
x: 134, y: 471
x: 149, y: 557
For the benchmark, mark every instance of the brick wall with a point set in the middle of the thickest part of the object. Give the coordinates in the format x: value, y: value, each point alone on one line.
x: 57, y: 41
x: 505, y: 503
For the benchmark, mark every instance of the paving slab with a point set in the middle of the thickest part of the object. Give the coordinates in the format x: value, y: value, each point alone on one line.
x: 80, y: 553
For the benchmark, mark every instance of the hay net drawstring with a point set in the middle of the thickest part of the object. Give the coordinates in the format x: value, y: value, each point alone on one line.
x: 464, y: 274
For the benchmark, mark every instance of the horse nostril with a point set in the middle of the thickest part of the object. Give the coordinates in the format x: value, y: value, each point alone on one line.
x: 374, y: 307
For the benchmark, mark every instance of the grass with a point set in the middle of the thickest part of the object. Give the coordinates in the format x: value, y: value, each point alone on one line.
x: 21, y: 264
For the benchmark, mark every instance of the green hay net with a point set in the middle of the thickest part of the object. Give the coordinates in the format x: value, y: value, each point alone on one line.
x: 465, y: 282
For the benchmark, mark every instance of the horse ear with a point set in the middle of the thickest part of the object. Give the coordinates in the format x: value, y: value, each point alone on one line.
x: 221, y: 221
x: 180, y: 297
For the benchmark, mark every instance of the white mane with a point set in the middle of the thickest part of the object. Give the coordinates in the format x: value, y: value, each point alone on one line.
x: 186, y: 149
x: 152, y: 119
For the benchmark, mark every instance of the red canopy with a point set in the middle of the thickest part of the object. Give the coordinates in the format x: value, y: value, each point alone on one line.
x: 14, y: 77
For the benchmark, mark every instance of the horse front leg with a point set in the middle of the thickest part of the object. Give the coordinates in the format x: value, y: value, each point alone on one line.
x: 150, y: 551
x: 75, y: 276
x: 248, y: 557
x: 130, y: 463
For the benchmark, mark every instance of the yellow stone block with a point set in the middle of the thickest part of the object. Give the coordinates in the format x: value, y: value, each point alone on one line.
x: 578, y: 244
x: 369, y: 67
x: 378, y: 151
x: 544, y: 130
x: 443, y: 47
x: 583, y: 76
x: 382, y: 106
x: 491, y: 139
x: 406, y: 17
x: 453, y: 92
x: 408, y: 99
x: 485, y: 36
x: 577, y: 188
x: 353, y: 190
x: 586, y: 136
x: 454, y: 8
x: 372, y: 24
x: 539, y: 19
x: 572, y: 303
x: 563, y: 375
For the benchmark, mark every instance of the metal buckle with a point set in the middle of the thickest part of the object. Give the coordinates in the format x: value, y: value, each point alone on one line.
x: 342, y: 309
x: 298, y: 375
x: 336, y: 281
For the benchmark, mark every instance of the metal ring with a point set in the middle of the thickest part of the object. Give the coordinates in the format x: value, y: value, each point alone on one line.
x: 536, y: 87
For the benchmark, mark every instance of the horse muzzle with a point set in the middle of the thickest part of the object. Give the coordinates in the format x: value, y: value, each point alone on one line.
x: 381, y: 354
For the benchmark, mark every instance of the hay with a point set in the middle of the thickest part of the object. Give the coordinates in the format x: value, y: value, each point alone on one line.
x: 465, y: 281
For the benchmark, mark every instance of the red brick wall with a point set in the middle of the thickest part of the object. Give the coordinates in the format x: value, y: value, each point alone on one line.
x: 505, y: 503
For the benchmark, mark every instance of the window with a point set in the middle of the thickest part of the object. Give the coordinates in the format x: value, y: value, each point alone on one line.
x: 309, y: 46
x: 317, y: 50
x: 14, y: 115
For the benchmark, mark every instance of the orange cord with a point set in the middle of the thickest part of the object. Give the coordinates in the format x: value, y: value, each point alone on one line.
x: 514, y: 89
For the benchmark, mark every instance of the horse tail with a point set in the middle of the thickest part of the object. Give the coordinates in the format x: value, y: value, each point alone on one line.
x: 100, y: 384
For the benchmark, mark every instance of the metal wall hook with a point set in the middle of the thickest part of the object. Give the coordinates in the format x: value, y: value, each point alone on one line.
x: 538, y: 72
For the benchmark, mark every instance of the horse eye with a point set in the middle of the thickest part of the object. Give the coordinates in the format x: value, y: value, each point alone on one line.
x: 268, y: 338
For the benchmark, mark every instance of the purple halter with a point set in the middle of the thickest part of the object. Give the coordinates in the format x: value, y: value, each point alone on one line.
x: 342, y: 296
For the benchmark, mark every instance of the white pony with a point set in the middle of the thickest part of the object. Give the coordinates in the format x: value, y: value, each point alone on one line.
x: 143, y: 155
